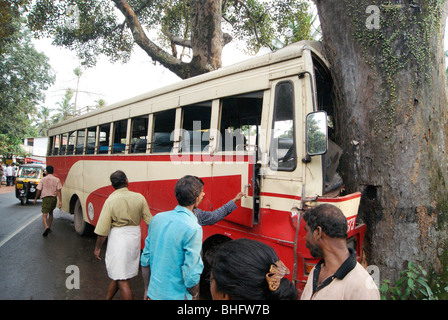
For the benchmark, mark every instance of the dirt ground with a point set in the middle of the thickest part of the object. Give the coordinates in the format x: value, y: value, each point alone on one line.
x: 5, y: 189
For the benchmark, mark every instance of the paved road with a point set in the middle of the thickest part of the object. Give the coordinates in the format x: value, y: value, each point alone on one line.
x: 35, y: 267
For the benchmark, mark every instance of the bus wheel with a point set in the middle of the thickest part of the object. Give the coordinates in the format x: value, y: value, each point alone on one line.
x: 81, y: 227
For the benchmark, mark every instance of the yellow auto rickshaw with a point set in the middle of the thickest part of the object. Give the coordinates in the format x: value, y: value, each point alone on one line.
x: 28, y: 178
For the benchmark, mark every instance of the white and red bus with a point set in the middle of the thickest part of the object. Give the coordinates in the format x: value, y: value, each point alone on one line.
x: 263, y: 125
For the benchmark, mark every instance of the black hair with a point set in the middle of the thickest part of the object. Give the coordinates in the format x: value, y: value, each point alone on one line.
x: 118, y: 179
x: 49, y: 169
x: 239, y: 268
x: 330, y: 218
x: 187, y: 190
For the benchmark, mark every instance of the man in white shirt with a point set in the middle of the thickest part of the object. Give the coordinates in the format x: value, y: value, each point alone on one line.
x: 9, y: 175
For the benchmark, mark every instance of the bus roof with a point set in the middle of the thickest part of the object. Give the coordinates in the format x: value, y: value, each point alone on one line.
x: 292, y: 51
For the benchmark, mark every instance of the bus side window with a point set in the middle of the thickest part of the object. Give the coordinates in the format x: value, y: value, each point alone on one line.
x: 50, y: 146
x: 283, y: 154
x: 104, y: 138
x: 57, y: 144
x: 80, y: 142
x: 196, y: 127
x: 71, y: 142
x: 240, y: 121
x: 64, y: 139
x: 164, y: 123
x: 139, y: 134
x: 91, y: 140
x: 120, y: 128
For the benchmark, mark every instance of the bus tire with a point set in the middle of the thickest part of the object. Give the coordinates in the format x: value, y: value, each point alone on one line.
x: 82, y: 228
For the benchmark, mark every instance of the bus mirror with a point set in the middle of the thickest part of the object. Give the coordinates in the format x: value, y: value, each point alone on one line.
x: 316, y: 133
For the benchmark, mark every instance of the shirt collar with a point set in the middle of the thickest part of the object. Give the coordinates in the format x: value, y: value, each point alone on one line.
x: 347, y: 266
x: 343, y: 270
x: 120, y: 190
x: 185, y: 210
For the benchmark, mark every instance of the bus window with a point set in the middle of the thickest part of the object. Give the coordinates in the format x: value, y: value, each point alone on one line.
x: 50, y: 146
x: 196, y: 127
x: 80, y: 142
x: 240, y: 121
x: 64, y: 138
x: 120, y: 128
x: 164, y: 123
x: 71, y: 142
x: 104, y: 138
x: 139, y: 134
x: 91, y: 140
x: 283, y: 145
x: 57, y: 144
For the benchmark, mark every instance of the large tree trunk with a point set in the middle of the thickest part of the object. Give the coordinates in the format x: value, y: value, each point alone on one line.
x: 392, y: 122
x: 206, y: 34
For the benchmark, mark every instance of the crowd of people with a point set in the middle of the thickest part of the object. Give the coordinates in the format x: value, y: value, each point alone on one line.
x: 242, y: 269
x: 9, y: 173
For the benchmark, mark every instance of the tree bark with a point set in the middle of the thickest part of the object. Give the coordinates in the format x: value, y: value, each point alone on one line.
x: 206, y: 35
x: 392, y: 122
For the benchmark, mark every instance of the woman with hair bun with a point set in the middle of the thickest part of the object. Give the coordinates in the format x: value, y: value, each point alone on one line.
x: 246, y: 269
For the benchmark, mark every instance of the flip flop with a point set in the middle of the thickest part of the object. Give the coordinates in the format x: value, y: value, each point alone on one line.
x: 46, y: 232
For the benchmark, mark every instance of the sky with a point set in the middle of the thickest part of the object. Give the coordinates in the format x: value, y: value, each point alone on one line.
x: 112, y: 82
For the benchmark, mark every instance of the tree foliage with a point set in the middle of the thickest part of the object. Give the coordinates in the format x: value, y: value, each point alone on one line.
x: 24, y: 75
x: 66, y: 108
x: 9, y: 13
x: 185, y: 36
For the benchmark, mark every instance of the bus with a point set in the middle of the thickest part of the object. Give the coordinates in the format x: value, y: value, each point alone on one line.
x: 263, y: 126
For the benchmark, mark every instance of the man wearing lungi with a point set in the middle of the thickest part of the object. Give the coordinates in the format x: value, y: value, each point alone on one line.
x: 120, y: 221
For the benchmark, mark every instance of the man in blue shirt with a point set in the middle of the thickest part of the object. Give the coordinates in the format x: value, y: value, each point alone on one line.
x: 171, y: 260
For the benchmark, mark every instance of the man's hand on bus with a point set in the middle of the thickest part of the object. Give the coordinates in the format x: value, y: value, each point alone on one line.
x: 238, y: 197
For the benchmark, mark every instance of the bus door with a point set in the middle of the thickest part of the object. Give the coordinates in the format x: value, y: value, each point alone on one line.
x: 281, y: 165
x: 234, y: 153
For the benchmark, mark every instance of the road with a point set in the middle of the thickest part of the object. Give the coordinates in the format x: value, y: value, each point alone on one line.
x: 48, y: 268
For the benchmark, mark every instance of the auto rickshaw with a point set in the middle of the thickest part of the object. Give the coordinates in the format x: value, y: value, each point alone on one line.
x: 28, y: 178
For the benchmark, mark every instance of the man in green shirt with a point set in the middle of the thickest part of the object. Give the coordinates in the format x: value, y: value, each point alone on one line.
x: 120, y: 220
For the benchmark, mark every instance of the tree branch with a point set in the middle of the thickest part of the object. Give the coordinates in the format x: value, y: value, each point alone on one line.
x: 154, y: 51
x: 226, y: 38
x: 177, y: 40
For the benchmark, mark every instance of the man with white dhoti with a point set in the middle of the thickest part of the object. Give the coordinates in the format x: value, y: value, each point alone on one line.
x: 120, y: 221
